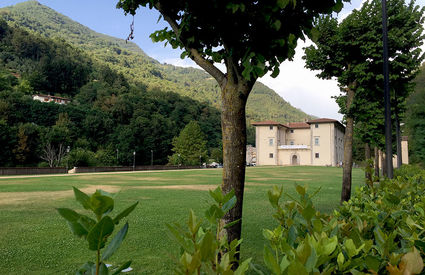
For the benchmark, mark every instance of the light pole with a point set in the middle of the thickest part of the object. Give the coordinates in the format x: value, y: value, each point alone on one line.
x: 67, y: 157
x: 134, y: 160
x: 151, y: 157
x: 117, y: 156
x: 179, y: 159
x: 200, y: 160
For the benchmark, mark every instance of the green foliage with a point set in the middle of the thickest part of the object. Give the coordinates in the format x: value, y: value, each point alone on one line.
x: 379, y: 230
x: 115, y: 55
x: 97, y: 232
x: 81, y: 158
x: 351, y: 51
x: 415, y: 122
x: 205, y: 248
x: 190, y: 146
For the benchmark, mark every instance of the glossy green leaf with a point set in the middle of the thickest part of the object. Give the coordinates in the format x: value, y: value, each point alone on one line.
x: 99, y: 233
x: 243, y: 267
x: 122, y: 267
x: 101, y: 204
x: 229, y: 204
x: 115, y: 243
x: 86, y: 222
x: 270, y: 261
x: 207, y: 247
x: 82, y: 198
x: 77, y: 229
x: 125, y: 213
x: 214, y: 213
x: 68, y: 214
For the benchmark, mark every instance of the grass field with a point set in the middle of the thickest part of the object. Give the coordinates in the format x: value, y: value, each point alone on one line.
x: 34, y: 239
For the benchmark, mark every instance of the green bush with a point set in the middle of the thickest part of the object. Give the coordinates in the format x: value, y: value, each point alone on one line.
x: 80, y: 158
x: 204, y: 245
x: 379, y: 231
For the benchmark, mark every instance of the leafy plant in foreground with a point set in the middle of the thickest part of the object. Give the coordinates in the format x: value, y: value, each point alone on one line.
x: 96, y: 231
x: 379, y: 231
x: 205, y: 248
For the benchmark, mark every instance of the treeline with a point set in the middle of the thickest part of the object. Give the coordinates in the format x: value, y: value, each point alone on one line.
x: 108, y: 119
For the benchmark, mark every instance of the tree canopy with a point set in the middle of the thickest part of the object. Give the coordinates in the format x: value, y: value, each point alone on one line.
x: 189, y: 146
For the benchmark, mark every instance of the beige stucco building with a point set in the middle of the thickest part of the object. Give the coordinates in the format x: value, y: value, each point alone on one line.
x: 315, y: 142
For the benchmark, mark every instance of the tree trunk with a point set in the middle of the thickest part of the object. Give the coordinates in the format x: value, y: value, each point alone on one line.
x: 376, y: 162
x: 368, y: 156
x: 348, y: 150
x: 398, y: 137
x: 233, y: 124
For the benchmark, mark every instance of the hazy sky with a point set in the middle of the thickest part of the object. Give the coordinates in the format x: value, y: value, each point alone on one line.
x: 295, y: 84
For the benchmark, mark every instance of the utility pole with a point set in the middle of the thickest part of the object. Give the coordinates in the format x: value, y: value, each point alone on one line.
x: 387, y: 102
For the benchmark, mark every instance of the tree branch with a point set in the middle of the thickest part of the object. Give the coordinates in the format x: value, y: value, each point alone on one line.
x: 194, y: 54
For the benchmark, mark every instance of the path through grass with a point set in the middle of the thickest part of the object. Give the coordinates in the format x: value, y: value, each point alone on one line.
x: 35, y: 240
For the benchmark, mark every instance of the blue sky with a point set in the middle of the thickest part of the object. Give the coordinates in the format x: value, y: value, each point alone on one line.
x: 295, y: 84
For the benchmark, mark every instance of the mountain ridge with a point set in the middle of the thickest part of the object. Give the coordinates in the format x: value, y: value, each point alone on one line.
x: 129, y: 59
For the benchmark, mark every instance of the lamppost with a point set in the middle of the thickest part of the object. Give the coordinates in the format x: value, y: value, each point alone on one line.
x: 67, y: 157
x: 117, y: 156
x: 134, y: 160
x: 151, y: 157
x: 200, y: 160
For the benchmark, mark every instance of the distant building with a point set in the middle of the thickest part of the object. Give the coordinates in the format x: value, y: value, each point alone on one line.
x: 404, y: 153
x: 51, y: 98
x: 316, y: 142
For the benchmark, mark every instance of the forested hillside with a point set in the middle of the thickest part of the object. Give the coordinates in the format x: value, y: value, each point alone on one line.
x: 130, y: 60
x: 108, y: 118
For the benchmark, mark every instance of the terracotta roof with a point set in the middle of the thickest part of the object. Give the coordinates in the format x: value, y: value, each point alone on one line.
x: 298, y: 125
x: 322, y: 120
x: 268, y: 122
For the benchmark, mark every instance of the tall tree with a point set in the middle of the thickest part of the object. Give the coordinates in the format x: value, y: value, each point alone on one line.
x: 251, y: 38
x: 351, y: 51
x: 190, y: 147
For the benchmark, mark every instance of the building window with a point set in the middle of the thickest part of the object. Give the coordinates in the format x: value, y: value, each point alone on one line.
x: 317, y: 155
x: 271, y: 127
x: 271, y: 142
x: 271, y: 155
x: 316, y: 141
x: 316, y: 125
x: 291, y: 142
x: 292, y: 131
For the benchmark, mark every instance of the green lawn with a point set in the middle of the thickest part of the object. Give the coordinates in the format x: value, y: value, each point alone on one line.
x: 34, y: 239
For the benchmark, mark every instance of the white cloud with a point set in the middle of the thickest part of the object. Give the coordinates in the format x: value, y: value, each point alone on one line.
x: 300, y: 87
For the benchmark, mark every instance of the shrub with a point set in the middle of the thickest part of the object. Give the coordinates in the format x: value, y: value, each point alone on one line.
x: 81, y: 158
x: 97, y: 231
x: 380, y: 230
x: 205, y: 249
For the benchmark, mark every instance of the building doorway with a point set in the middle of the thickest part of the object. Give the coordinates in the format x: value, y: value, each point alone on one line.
x: 294, y: 160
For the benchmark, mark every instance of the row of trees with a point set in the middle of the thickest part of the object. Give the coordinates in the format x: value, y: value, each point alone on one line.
x: 351, y: 52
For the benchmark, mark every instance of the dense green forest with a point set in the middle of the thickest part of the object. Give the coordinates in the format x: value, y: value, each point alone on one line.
x: 129, y: 59
x: 109, y: 117
x: 122, y: 101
